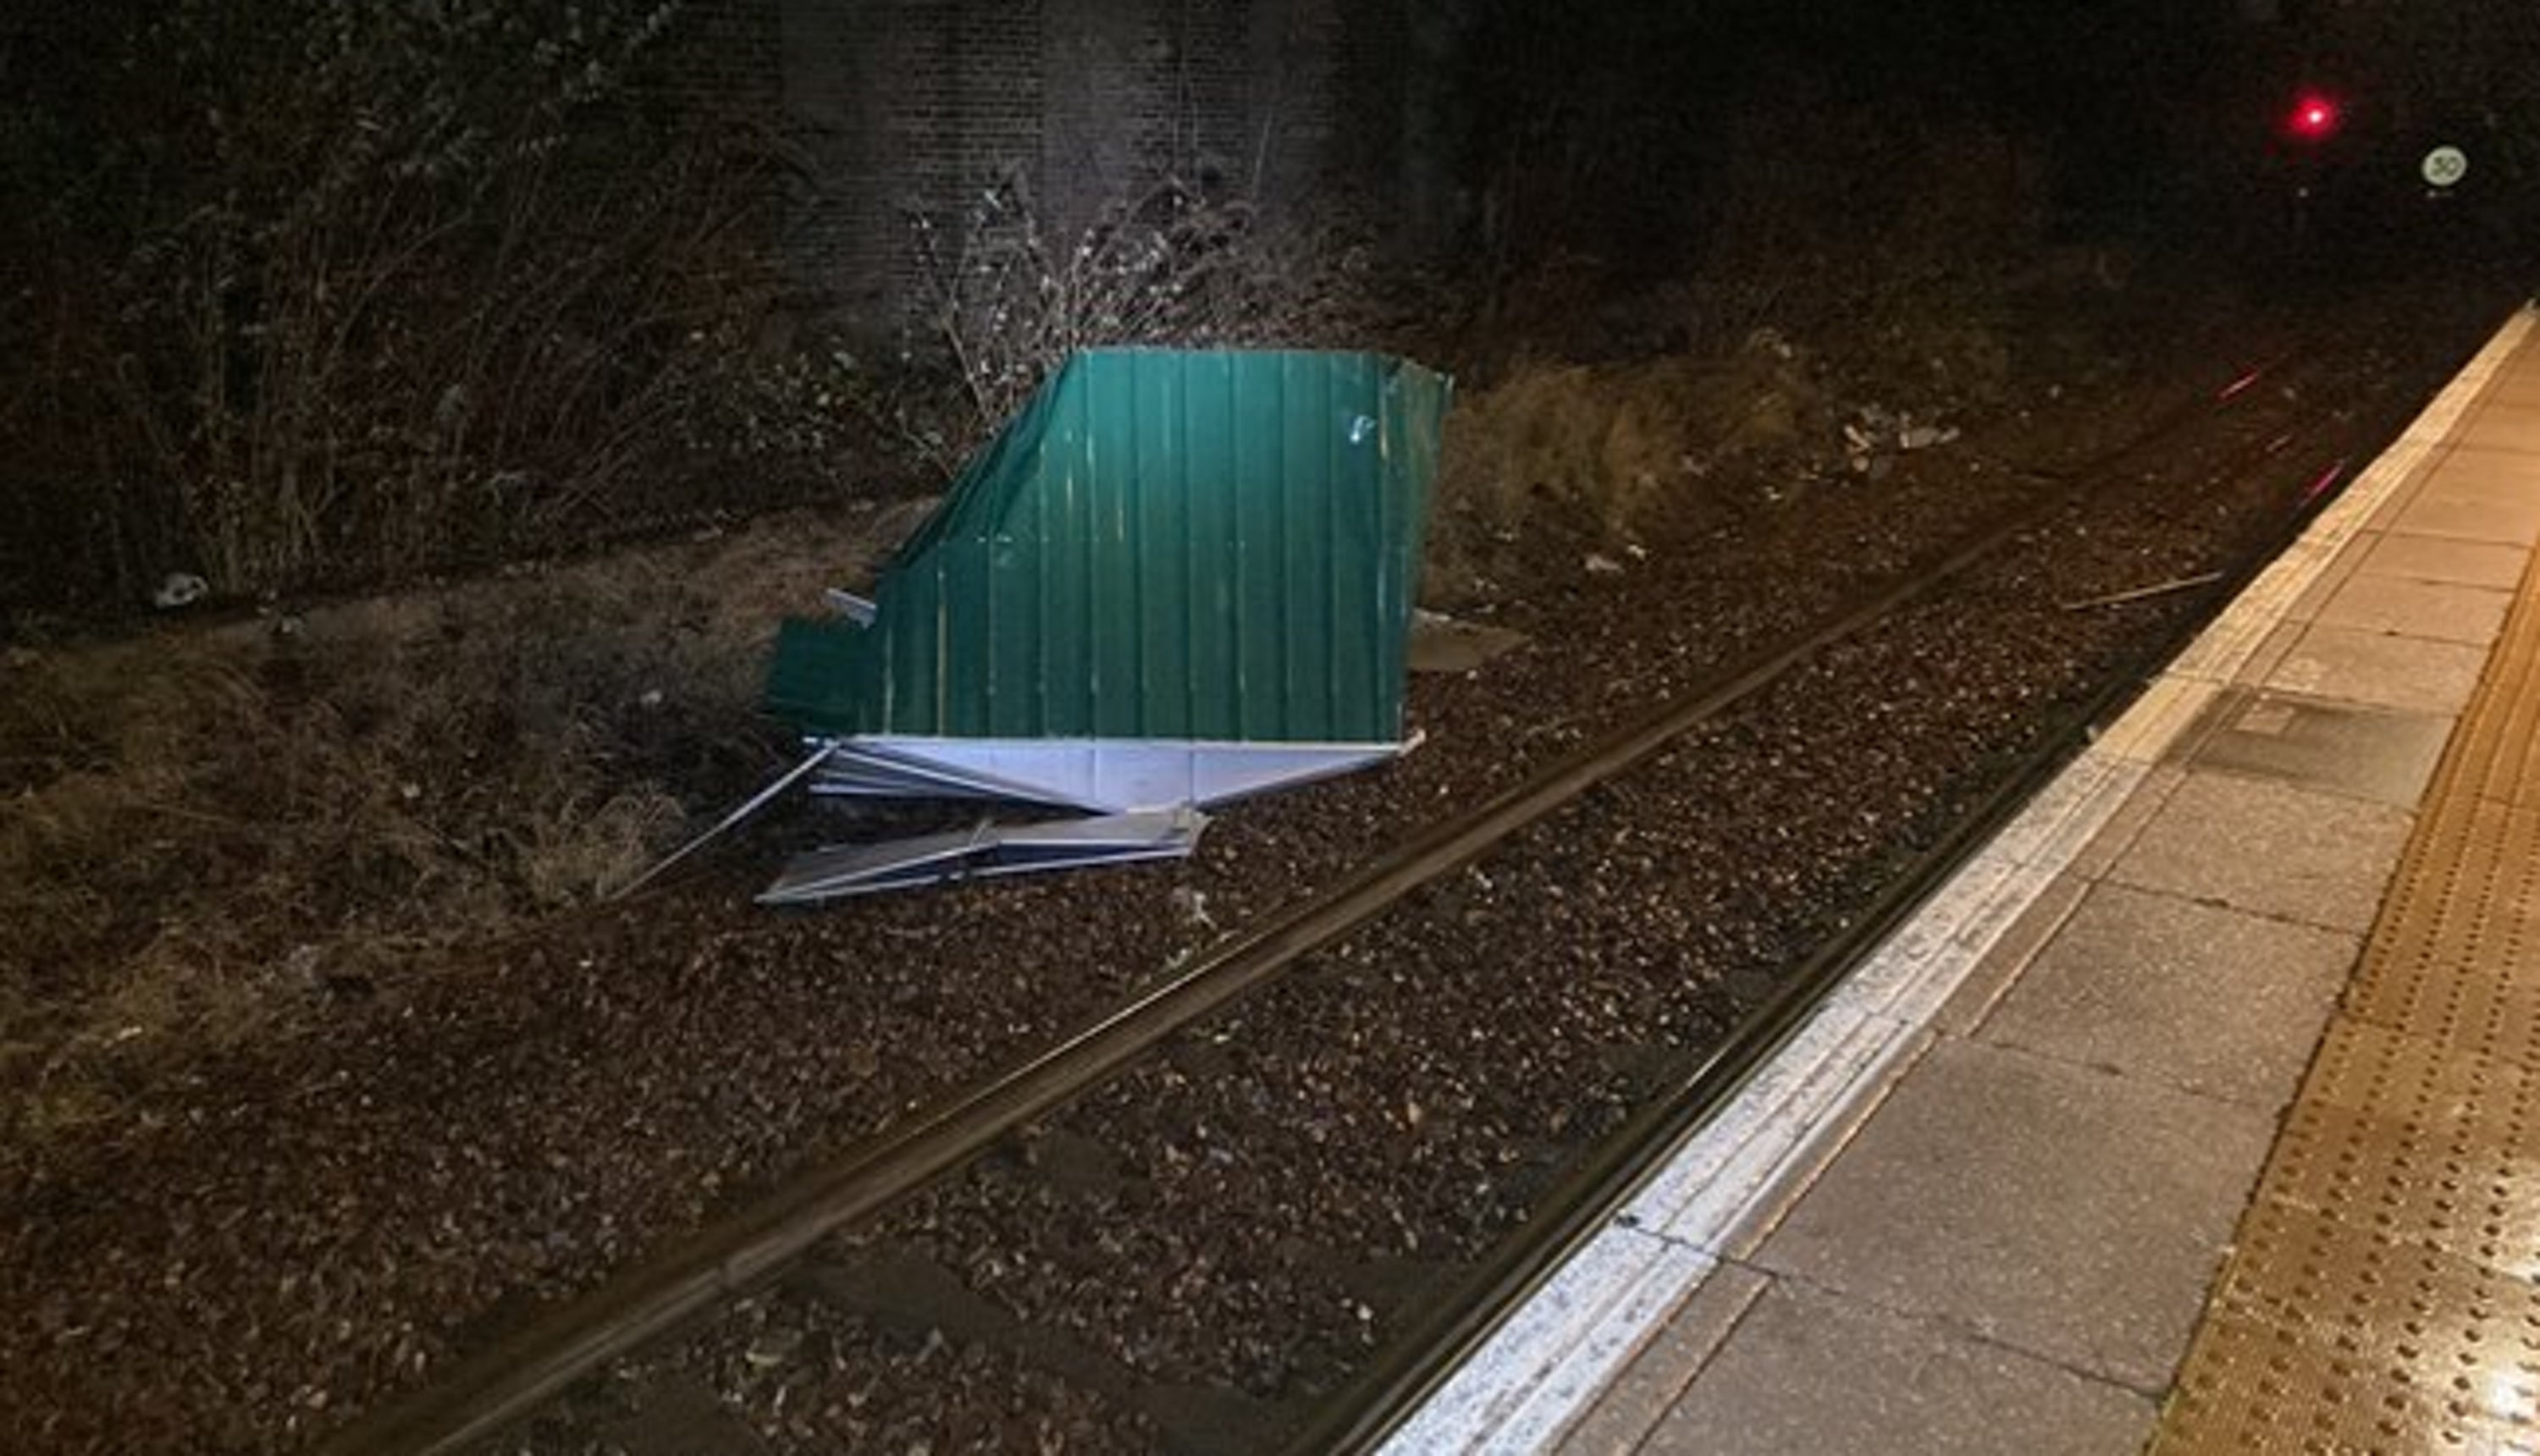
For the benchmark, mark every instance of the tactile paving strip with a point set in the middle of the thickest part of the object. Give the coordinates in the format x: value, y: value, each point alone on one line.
x: 2456, y: 957
x: 2413, y: 1143
x: 2499, y: 745
x: 2324, y: 1338
x: 2384, y: 1290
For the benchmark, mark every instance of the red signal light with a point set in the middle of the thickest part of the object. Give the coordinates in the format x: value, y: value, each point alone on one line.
x: 2313, y: 116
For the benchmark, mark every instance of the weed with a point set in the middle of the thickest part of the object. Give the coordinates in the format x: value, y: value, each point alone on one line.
x: 334, y: 292
x: 208, y: 835
x: 1014, y: 294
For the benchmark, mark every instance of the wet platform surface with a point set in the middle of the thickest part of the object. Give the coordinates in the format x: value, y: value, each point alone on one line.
x: 2201, y: 1111
x: 2380, y: 1294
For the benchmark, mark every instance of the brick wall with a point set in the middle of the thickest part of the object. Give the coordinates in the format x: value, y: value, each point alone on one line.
x: 723, y: 60
x: 902, y: 109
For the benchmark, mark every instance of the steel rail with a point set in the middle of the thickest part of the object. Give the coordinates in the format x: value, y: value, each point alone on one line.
x: 486, y: 1391
x: 1412, y: 1367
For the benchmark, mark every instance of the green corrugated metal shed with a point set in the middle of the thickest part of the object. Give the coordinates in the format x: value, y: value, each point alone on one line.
x: 1191, y: 545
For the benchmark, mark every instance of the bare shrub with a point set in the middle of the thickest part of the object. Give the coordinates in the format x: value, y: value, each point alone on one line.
x: 1015, y: 296
x: 342, y: 289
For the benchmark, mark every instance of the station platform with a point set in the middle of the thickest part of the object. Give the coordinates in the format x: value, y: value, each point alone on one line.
x: 2200, y: 1112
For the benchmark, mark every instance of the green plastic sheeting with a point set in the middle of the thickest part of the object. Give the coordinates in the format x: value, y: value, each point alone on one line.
x: 1192, y: 545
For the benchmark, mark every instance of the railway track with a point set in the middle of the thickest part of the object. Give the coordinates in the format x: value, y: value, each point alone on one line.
x: 683, y: 1287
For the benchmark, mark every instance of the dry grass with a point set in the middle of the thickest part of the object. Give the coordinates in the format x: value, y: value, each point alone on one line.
x: 208, y: 833
x: 1595, y: 454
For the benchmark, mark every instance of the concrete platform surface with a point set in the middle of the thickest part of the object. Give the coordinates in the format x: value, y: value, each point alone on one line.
x: 2062, y: 1172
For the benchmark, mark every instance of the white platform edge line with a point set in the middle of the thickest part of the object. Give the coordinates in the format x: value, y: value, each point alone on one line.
x: 1542, y: 1370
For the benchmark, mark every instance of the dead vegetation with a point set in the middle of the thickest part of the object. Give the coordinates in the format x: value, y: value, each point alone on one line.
x: 328, y: 295
x: 1842, y: 294
x: 209, y: 834
x: 1593, y: 455
x: 206, y: 834
x: 1016, y: 290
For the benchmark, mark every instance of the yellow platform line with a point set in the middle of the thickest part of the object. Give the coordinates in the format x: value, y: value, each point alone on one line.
x: 2382, y: 1293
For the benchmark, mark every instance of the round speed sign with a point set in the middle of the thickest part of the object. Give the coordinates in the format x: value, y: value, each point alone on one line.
x: 2445, y: 166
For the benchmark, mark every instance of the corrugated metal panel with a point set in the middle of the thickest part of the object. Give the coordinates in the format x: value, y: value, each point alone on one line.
x: 1213, y: 546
